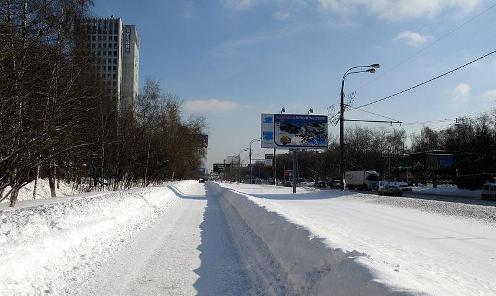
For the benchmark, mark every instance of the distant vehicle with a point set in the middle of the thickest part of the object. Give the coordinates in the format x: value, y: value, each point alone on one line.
x: 201, y: 180
x: 363, y: 180
x: 403, y: 185
x: 390, y: 189
x: 489, y: 191
x: 320, y: 184
x: 335, y: 183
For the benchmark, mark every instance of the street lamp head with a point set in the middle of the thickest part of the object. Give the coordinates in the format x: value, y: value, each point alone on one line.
x: 372, y: 70
x: 283, y: 110
x: 376, y: 66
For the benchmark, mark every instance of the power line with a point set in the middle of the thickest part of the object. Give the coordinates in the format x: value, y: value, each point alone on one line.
x: 376, y: 114
x: 427, y: 47
x: 425, y: 82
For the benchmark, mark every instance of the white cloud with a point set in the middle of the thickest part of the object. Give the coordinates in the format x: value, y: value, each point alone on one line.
x: 209, y: 106
x: 239, y: 4
x: 398, y: 9
x: 490, y: 94
x: 232, y: 45
x: 461, y: 92
x: 411, y: 38
x: 281, y: 15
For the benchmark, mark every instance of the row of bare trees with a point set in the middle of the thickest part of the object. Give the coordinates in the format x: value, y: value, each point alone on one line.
x: 57, y: 120
x: 471, y: 139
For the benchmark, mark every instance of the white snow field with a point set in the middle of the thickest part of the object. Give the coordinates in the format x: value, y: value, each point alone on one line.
x: 188, y: 238
x: 404, y: 245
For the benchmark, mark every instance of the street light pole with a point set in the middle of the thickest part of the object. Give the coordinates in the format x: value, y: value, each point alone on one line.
x: 251, y: 168
x: 369, y: 69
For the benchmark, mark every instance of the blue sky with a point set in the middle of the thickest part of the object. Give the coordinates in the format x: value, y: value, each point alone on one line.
x: 231, y: 60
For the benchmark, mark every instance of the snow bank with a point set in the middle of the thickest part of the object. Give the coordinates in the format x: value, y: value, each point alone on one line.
x: 42, y: 190
x: 283, y: 258
x: 48, y: 247
x: 447, y: 190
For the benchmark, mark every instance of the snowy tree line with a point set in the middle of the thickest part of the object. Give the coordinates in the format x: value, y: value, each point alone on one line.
x: 57, y: 121
x: 472, y: 140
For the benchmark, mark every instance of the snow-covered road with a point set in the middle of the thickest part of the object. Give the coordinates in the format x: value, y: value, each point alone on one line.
x: 420, y: 246
x: 189, y: 238
x: 188, y: 251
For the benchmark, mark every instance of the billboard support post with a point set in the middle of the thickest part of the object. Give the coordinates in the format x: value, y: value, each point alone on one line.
x: 294, y: 171
x: 274, y: 170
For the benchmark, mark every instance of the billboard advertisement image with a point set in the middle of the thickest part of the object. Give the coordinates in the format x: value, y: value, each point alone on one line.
x: 300, y: 131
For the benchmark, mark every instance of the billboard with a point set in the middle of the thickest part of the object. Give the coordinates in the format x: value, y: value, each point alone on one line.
x: 300, y: 131
x: 267, y: 131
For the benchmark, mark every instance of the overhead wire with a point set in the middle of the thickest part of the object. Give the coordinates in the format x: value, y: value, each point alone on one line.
x: 425, y: 82
x: 423, y: 49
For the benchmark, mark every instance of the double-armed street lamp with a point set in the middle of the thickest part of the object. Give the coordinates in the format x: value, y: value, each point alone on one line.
x: 239, y: 163
x: 251, y: 168
x: 353, y: 70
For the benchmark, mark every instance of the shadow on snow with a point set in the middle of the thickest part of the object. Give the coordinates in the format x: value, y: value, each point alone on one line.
x: 220, y: 270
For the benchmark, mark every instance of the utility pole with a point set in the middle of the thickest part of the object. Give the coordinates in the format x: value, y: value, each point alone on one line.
x: 251, y: 168
x: 369, y: 69
x: 341, y: 136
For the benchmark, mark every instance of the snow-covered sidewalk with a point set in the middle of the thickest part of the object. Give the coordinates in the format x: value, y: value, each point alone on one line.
x: 170, y: 240
x: 414, y: 250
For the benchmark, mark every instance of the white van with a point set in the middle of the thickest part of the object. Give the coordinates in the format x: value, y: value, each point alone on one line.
x: 489, y: 191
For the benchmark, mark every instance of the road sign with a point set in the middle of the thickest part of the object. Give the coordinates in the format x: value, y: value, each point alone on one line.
x: 269, y: 156
x: 218, y: 168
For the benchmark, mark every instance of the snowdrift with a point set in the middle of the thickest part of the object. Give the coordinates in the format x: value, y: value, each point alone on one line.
x: 283, y: 258
x: 47, y: 247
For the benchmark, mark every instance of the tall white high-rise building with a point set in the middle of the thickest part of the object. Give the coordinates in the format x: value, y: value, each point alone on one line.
x: 115, y: 48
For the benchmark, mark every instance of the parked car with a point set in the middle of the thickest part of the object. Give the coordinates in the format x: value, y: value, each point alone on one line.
x: 489, y: 191
x: 320, y: 184
x: 201, y: 180
x: 390, y: 189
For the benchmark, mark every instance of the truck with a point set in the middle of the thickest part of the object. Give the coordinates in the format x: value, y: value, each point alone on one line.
x: 362, y: 180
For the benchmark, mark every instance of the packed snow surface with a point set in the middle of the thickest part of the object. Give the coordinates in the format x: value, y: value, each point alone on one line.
x: 170, y: 240
x: 412, y: 248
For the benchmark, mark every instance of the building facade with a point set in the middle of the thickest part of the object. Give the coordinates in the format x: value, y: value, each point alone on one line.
x: 115, y: 48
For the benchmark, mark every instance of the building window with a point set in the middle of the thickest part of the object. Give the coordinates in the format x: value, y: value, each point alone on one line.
x: 109, y: 68
x: 114, y: 76
x: 115, y: 61
x: 109, y: 60
x: 115, y: 53
x: 115, y: 68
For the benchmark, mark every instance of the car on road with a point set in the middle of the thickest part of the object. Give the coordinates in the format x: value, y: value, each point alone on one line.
x: 390, y: 189
x: 489, y: 191
x: 320, y: 184
x: 201, y: 180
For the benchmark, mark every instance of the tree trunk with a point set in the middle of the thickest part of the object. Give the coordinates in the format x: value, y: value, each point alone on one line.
x: 13, y: 197
x: 36, y: 181
x: 51, y: 178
